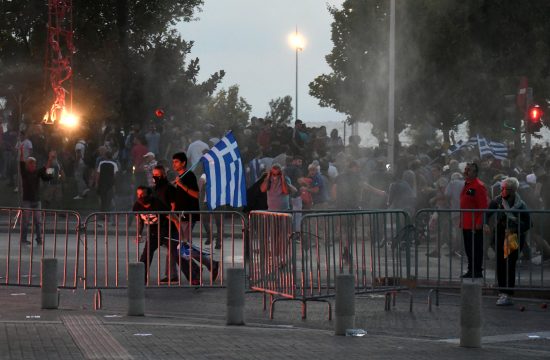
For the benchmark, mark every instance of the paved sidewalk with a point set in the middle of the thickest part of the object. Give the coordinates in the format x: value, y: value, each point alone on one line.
x: 189, y: 324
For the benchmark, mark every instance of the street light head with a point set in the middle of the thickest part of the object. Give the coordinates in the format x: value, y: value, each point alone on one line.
x: 297, y: 41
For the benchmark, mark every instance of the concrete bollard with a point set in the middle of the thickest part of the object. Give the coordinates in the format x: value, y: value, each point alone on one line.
x: 136, y: 289
x: 470, y: 315
x: 235, y: 296
x: 50, y: 293
x: 345, y: 304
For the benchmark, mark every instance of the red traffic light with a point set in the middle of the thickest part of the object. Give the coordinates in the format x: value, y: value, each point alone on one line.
x: 535, y: 113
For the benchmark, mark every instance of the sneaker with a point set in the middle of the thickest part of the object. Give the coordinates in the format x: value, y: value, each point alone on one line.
x: 218, y: 245
x: 16, y: 190
x: 39, y: 241
x: 504, y: 300
x: 85, y: 192
x: 207, y: 242
x: 25, y: 242
x: 78, y: 197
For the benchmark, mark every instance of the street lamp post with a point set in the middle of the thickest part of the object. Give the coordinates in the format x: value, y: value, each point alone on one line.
x: 297, y: 42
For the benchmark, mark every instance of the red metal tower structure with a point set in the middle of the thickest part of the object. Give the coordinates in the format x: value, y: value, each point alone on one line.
x: 59, y: 51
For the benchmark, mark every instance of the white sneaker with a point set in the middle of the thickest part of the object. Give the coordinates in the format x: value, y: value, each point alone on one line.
x: 85, y: 192
x: 78, y: 197
x: 504, y: 300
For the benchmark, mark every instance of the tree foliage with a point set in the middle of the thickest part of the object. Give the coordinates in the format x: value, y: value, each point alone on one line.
x: 455, y: 61
x: 280, y: 110
x: 227, y: 110
x: 129, y: 59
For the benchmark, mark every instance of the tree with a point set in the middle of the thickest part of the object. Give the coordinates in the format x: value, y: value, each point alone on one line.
x: 227, y: 110
x: 455, y: 61
x: 129, y: 59
x: 358, y: 84
x: 280, y: 111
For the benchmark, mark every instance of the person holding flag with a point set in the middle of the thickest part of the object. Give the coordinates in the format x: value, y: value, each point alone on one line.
x: 186, y: 199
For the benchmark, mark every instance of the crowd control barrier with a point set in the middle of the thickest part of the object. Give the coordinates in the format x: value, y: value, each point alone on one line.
x: 184, y: 249
x: 303, y: 266
x: 440, y: 257
x: 29, y: 235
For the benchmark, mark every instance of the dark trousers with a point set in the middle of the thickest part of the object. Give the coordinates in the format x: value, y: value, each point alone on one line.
x: 506, y: 268
x: 473, y: 245
x: 149, y: 252
x: 106, y: 199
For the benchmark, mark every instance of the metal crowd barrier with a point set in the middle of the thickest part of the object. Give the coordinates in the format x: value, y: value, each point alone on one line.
x: 33, y: 234
x: 112, y: 240
x: 272, y: 254
x: 371, y: 245
x: 440, y: 257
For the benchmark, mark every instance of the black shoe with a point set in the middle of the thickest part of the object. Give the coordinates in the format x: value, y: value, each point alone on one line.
x: 218, y: 245
x: 468, y: 274
x: 478, y: 274
x: 207, y: 242
x: 25, y: 242
x: 215, y: 270
x: 39, y: 241
x: 165, y: 280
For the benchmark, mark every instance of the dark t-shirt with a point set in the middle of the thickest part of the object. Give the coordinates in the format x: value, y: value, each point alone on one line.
x: 165, y: 192
x: 154, y: 219
x: 31, y: 182
x: 184, y: 201
x: 107, y: 170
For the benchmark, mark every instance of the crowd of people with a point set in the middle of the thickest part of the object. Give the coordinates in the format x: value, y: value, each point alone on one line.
x: 287, y: 168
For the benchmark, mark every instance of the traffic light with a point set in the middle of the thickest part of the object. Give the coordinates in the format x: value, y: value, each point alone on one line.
x: 534, y: 116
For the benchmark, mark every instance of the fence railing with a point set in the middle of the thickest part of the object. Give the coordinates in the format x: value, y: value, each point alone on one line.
x: 440, y: 254
x: 371, y: 245
x: 272, y: 265
x: 178, y: 249
x: 381, y: 249
x: 32, y: 234
x: 303, y: 265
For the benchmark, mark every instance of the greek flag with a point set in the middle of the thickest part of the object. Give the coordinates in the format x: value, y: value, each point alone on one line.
x: 460, y: 144
x: 225, y: 182
x: 497, y: 150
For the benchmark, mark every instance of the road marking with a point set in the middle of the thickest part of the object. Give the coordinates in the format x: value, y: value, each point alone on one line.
x: 506, y: 337
x: 93, y: 339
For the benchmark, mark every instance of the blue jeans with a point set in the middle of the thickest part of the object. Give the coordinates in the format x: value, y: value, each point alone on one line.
x: 26, y: 218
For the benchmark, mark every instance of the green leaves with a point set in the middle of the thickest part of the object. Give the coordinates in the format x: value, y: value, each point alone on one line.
x: 455, y: 60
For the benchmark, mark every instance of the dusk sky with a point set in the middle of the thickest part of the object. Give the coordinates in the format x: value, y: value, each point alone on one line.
x: 249, y: 40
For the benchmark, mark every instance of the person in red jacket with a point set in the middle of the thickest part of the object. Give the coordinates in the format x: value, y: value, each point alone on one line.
x: 473, y: 196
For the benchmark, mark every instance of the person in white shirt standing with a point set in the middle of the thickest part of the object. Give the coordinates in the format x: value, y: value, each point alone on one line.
x: 196, y: 149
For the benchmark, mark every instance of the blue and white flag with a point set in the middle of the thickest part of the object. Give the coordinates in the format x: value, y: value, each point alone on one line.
x: 497, y: 150
x: 460, y: 144
x: 500, y: 150
x: 225, y: 182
